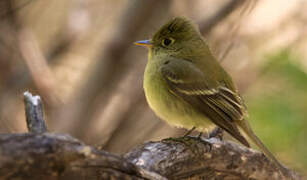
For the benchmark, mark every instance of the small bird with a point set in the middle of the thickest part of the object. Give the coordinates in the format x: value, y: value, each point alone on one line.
x: 186, y: 86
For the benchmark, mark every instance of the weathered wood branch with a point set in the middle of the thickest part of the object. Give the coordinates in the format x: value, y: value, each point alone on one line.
x: 57, y: 156
x: 196, y: 158
x: 34, y: 113
x: 41, y: 155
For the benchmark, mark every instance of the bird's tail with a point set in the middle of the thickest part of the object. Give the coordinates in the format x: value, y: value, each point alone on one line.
x: 244, y: 125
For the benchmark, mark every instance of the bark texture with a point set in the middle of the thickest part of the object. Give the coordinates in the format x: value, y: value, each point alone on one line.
x: 43, y: 155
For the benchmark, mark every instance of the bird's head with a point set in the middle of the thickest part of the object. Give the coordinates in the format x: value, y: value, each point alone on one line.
x: 178, y: 37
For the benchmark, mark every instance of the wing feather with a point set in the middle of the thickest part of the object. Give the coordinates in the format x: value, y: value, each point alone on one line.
x: 220, y: 104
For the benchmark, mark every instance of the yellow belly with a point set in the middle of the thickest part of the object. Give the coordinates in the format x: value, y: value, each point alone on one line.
x: 169, y: 107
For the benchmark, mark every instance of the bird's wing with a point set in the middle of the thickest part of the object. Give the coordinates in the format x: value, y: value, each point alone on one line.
x: 218, y: 103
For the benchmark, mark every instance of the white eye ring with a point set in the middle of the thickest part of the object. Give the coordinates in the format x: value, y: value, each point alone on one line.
x: 167, y: 41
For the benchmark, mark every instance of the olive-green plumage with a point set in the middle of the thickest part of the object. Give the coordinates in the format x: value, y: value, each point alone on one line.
x: 187, y: 87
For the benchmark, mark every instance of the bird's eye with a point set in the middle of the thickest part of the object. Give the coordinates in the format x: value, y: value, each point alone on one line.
x: 167, y: 41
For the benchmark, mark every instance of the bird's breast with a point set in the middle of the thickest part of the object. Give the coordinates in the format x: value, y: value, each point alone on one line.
x: 167, y: 105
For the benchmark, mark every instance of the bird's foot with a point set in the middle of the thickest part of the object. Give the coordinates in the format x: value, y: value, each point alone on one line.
x: 183, y: 139
x: 216, y: 133
x: 191, y: 142
x: 189, y: 132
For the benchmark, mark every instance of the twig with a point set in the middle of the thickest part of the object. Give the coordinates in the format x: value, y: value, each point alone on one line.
x: 34, y: 113
x: 111, y: 66
x: 38, y: 66
x: 206, y: 26
x: 12, y: 10
x: 233, y: 33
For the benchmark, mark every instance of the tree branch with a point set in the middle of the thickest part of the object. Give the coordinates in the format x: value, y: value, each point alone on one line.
x: 34, y: 113
x: 191, y: 157
x: 60, y: 156
x: 111, y: 66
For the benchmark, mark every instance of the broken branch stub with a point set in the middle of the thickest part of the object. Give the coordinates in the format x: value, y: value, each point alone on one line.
x: 34, y: 113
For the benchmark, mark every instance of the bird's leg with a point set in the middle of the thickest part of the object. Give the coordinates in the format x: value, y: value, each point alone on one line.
x: 181, y: 139
x: 189, y: 132
x: 216, y: 133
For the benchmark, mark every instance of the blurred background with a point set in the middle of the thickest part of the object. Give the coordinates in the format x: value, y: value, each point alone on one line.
x: 79, y: 56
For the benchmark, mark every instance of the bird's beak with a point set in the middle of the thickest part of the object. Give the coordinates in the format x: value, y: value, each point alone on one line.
x: 145, y: 43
